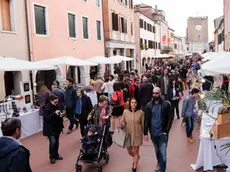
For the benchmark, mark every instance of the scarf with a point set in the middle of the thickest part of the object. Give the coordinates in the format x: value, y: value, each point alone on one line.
x: 102, y: 114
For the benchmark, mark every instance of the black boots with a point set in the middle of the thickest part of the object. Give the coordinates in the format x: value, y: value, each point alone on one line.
x: 134, y: 170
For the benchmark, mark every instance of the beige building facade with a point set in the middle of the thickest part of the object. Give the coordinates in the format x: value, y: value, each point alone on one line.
x: 171, y: 39
x: 119, y: 34
x: 13, y: 43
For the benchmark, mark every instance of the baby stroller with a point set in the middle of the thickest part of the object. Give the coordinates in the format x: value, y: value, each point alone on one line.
x: 95, y: 149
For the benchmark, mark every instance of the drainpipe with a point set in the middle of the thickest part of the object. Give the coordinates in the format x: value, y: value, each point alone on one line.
x: 29, y: 45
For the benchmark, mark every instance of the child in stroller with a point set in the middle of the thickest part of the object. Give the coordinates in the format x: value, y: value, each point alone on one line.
x: 97, y: 137
x: 90, y: 141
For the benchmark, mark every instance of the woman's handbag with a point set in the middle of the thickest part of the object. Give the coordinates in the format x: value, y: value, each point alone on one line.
x: 121, y: 138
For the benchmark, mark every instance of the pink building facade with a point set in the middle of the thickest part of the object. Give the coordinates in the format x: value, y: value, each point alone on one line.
x: 227, y: 25
x: 65, y: 28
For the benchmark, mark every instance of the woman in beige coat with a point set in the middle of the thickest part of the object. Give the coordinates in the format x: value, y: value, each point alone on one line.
x: 133, y: 120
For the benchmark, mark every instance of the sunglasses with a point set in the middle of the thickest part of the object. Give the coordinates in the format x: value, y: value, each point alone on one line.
x: 156, y: 93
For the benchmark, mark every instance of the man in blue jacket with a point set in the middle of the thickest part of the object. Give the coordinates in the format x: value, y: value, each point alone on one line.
x: 13, y: 156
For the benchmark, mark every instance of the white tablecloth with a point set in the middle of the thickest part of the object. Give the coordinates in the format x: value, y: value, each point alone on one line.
x: 209, y: 157
x: 31, y: 123
x: 93, y: 97
x: 210, y: 154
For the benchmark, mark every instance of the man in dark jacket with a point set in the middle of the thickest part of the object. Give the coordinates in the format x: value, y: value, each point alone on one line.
x: 83, y: 108
x: 146, y: 90
x: 70, y: 103
x: 158, y: 121
x: 13, y: 156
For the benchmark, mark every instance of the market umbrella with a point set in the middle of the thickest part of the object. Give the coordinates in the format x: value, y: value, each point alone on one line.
x: 67, y: 60
x: 122, y: 58
x: 219, y: 65
x: 13, y: 64
x: 104, y: 60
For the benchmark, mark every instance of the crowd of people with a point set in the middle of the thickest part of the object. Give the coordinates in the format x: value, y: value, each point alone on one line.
x: 145, y: 103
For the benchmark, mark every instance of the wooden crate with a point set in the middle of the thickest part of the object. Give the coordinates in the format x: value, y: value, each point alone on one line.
x: 221, y: 130
x: 223, y: 118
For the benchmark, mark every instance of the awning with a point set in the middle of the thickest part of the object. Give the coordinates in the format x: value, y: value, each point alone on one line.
x: 122, y: 58
x: 67, y: 60
x: 220, y: 65
x: 104, y: 60
x: 13, y: 64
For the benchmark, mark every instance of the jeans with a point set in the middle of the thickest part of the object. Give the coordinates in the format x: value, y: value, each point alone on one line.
x: 175, y: 105
x: 53, y: 146
x: 83, y: 123
x: 189, y: 125
x: 160, y: 143
x: 71, y: 116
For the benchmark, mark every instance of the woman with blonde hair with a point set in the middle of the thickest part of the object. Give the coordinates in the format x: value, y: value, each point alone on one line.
x: 133, y: 121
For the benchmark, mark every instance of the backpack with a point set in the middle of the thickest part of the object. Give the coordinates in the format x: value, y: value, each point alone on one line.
x: 117, y: 102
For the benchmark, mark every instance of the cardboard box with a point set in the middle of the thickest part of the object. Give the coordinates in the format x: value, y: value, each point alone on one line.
x: 223, y: 118
x: 221, y: 130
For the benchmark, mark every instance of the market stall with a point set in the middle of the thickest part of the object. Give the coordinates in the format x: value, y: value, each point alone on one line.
x: 31, y: 123
x: 210, y: 150
x: 21, y: 106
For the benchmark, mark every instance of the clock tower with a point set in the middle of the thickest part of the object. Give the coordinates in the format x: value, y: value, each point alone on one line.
x: 197, y: 34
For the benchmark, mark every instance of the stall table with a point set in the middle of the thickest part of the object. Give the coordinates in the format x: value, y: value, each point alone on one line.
x: 210, y: 153
x: 31, y: 123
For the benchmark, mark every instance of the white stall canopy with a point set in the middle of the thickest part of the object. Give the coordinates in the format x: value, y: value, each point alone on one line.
x: 163, y: 56
x: 67, y: 60
x: 13, y: 64
x: 104, y: 60
x: 213, y: 55
x: 220, y: 65
x: 122, y: 58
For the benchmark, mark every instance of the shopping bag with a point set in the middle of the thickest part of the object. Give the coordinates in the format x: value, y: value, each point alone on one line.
x: 121, y: 138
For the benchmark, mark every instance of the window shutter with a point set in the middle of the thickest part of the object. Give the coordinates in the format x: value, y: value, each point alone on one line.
x: 116, y: 22
x: 125, y: 26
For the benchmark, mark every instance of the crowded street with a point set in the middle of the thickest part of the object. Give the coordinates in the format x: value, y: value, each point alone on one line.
x: 180, y: 152
x: 114, y: 86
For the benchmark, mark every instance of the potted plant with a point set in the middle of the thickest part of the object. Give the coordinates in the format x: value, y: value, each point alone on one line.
x: 224, y: 97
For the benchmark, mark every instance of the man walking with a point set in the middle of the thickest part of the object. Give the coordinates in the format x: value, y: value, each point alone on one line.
x: 158, y: 121
x: 70, y: 103
x: 146, y: 90
x: 188, y: 113
x: 13, y: 156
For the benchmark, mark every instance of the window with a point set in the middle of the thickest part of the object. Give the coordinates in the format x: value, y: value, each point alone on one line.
x: 123, y: 25
x: 98, y: 3
x: 131, y: 4
x: 141, y: 23
x: 40, y: 20
x: 7, y: 15
x: 154, y: 29
x: 145, y: 25
x: 131, y: 28
x: 85, y: 27
x: 175, y: 46
x: 115, y: 21
x: 72, y: 25
x: 98, y: 30
x: 126, y: 2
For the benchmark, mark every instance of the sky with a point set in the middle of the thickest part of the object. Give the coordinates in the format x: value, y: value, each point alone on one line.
x: 177, y: 12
